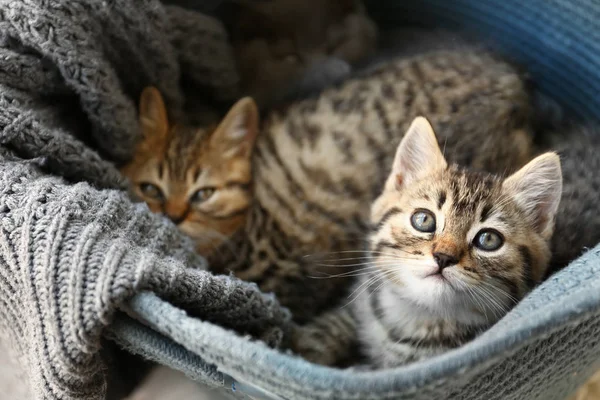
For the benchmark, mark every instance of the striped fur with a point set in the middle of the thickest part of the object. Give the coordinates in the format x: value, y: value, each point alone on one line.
x: 428, y: 291
x: 320, y: 162
x: 329, y: 339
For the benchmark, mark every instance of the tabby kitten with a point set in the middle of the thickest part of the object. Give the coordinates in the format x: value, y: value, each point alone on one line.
x: 319, y: 163
x: 452, y: 250
x: 200, y: 178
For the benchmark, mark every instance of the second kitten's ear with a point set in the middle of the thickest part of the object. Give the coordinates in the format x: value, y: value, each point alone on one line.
x: 235, y: 135
x: 417, y: 155
x: 537, y: 189
x: 153, y: 113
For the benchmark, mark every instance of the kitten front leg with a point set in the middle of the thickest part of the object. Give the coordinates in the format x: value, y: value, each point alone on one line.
x: 330, y: 339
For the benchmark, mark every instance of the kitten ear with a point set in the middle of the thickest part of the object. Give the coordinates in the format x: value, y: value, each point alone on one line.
x: 418, y: 155
x: 153, y: 113
x: 236, y: 134
x: 537, y: 189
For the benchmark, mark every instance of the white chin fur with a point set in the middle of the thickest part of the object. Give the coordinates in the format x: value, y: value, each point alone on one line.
x: 442, y: 298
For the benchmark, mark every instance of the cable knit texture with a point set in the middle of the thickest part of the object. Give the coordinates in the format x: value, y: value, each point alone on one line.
x: 73, y: 248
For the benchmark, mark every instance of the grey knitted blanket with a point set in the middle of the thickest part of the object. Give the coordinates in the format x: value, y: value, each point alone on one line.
x: 73, y: 248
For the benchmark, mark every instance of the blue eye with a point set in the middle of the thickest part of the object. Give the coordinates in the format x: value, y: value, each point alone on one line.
x: 202, y: 195
x: 423, y: 221
x: 151, y: 191
x: 488, y: 240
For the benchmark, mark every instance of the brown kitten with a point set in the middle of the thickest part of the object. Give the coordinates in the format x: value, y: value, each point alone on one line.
x: 200, y: 178
x: 277, y: 43
x: 452, y: 250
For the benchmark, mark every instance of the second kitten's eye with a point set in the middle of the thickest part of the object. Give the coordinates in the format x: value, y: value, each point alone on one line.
x: 423, y: 221
x: 151, y: 191
x: 488, y: 240
x: 202, y: 195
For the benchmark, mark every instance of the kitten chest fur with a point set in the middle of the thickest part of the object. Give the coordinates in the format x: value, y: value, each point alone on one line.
x: 406, y: 332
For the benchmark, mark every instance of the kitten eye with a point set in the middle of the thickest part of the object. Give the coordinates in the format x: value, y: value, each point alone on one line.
x: 202, y: 195
x: 423, y: 221
x: 488, y: 240
x: 151, y: 191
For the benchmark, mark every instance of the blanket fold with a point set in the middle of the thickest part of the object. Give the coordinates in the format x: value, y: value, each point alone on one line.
x: 73, y: 248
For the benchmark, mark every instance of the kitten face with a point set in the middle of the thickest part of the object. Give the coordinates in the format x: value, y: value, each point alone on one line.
x: 462, y: 244
x: 199, y: 178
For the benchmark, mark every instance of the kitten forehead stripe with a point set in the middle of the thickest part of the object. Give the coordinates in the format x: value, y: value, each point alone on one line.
x: 441, y: 199
x: 388, y: 214
x: 485, y: 212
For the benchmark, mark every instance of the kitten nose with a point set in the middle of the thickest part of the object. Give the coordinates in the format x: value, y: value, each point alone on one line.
x: 444, y: 260
x: 176, y: 211
x: 177, y: 219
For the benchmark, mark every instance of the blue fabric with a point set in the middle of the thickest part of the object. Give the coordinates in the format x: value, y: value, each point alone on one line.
x: 557, y: 40
x: 543, y: 349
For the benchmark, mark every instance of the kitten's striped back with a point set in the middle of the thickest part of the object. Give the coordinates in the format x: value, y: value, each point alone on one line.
x: 319, y: 163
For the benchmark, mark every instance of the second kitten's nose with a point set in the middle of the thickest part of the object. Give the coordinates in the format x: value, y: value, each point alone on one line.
x: 444, y: 260
x: 175, y: 210
x: 177, y: 219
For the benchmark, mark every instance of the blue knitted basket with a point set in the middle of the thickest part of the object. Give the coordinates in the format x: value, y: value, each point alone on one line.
x: 543, y: 349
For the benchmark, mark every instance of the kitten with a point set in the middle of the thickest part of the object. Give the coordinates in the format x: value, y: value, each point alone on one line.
x: 199, y: 178
x: 319, y: 163
x: 452, y: 250
x: 288, y: 45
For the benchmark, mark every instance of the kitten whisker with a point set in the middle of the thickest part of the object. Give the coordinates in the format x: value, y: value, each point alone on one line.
x: 365, y: 286
x: 367, y: 252
x: 485, y: 303
x: 475, y: 298
x: 501, y: 291
x: 369, y: 258
x: 360, y: 272
x: 498, y: 306
x: 391, y: 261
